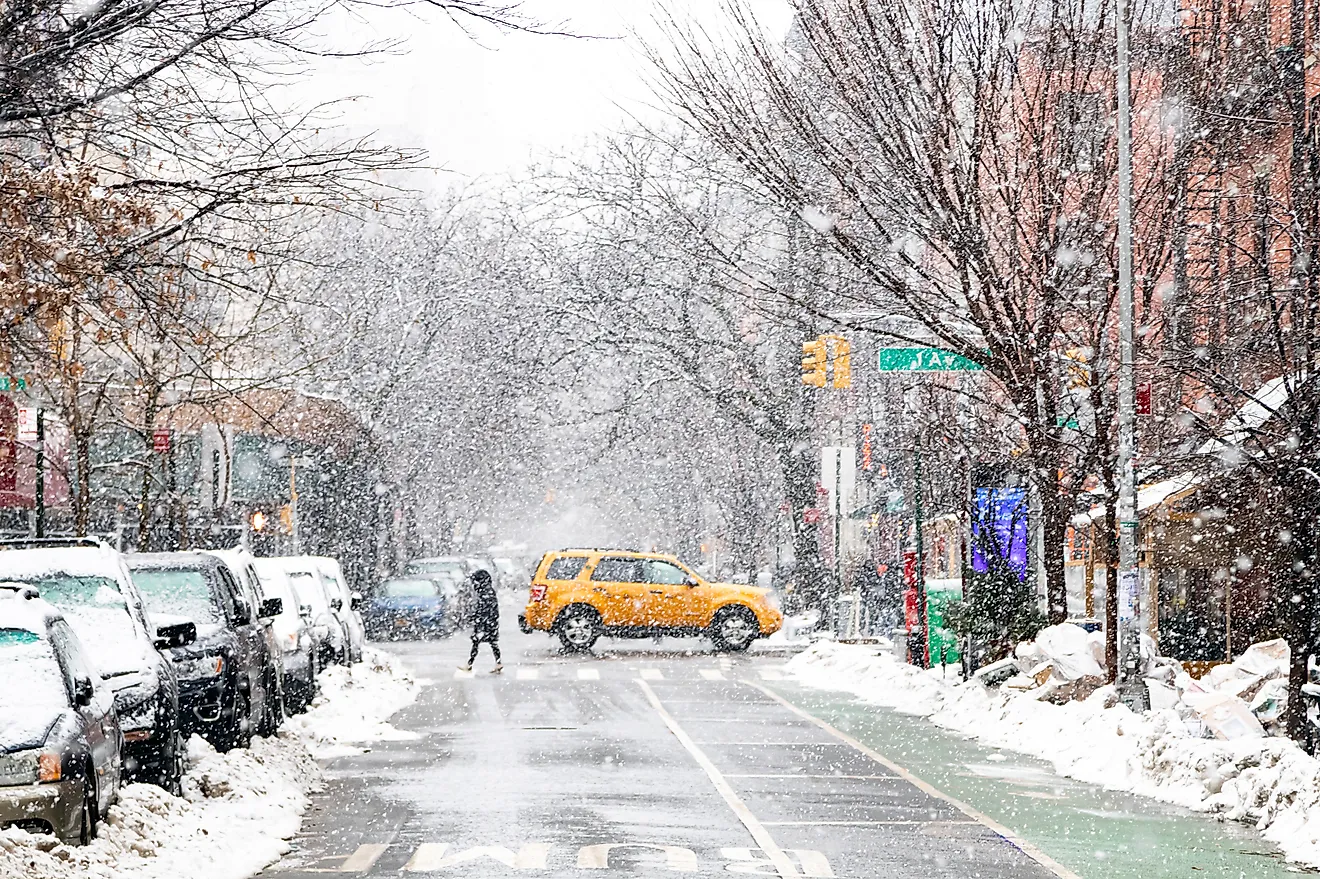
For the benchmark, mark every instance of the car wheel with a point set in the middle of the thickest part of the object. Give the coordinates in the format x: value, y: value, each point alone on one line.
x: 239, y: 733
x: 269, y: 721
x: 578, y: 628
x: 734, y: 629
x: 87, y: 824
x: 172, y: 764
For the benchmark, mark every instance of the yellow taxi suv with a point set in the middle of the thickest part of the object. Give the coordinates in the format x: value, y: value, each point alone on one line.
x: 581, y: 594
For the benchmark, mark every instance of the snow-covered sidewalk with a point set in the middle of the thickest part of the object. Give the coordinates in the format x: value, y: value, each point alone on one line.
x: 1268, y: 782
x: 238, y: 809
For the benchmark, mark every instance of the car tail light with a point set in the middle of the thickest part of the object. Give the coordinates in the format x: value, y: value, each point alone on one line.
x: 538, y: 592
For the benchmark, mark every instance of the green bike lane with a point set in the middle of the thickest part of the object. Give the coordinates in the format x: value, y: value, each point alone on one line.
x: 1096, y: 833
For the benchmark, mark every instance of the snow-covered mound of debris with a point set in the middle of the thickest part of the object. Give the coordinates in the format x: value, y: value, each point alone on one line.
x: 354, y: 705
x: 1166, y: 754
x: 238, y: 809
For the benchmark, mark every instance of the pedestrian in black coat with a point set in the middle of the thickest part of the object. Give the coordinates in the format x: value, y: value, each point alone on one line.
x: 485, y: 615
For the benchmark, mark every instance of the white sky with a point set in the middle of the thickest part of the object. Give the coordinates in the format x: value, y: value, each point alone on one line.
x: 491, y: 106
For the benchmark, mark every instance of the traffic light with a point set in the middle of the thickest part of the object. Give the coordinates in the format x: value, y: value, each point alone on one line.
x: 814, y: 360
x: 842, y: 363
x: 259, y: 520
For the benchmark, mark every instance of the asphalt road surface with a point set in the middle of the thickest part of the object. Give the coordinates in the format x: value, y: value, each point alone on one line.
x: 651, y: 758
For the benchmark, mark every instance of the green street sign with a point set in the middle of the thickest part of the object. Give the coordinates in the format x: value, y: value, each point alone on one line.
x: 10, y: 383
x: 925, y: 360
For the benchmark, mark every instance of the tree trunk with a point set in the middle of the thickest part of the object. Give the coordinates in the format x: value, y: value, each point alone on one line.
x: 798, y: 467
x: 82, y: 498
x: 1054, y: 515
x: 1297, y: 589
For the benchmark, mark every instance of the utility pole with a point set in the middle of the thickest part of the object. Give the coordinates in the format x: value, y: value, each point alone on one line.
x: 41, y: 474
x: 922, y: 628
x: 1130, y: 686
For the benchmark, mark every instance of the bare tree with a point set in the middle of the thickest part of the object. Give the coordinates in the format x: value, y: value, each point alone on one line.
x: 957, y: 157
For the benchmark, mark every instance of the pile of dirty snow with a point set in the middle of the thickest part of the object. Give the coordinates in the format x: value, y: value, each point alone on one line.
x: 353, y: 706
x: 1265, y: 781
x: 237, y: 809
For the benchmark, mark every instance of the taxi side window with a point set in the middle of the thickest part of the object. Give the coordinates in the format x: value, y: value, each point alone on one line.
x: 566, y: 567
x: 668, y: 573
x: 617, y: 569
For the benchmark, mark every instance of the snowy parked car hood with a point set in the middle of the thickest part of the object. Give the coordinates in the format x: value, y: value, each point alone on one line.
x: 27, y: 729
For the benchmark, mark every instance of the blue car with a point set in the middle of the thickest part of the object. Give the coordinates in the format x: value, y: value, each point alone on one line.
x: 412, y: 607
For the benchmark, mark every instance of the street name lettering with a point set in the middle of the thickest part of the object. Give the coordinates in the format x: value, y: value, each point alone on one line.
x: 925, y: 360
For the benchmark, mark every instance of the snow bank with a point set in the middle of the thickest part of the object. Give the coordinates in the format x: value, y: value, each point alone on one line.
x: 1268, y: 782
x: 237, y: 809
x: 353, y: 706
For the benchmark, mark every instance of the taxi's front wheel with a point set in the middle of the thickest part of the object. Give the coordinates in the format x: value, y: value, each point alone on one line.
x: 579, y: 627
x: 734, y: 629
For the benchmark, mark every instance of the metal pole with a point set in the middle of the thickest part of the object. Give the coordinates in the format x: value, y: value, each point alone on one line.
x: 1130, y: 686
x: 41, y: 474
x: 921, y: 560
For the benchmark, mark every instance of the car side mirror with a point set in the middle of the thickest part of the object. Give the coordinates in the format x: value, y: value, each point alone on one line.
x: 175, y: 635
x: 690, y: 582
x: 83, y: 691
x: 242, y: 613
x: 355, y: 600
x: 336, y: 603
x: 305, y: 611
x: 272, y: 607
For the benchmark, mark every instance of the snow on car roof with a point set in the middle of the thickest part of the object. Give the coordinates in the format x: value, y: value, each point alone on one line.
x: 30, y: 614
x: 79, y: 561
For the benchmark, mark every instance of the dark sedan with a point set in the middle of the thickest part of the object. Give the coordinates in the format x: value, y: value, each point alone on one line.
x: 414, y: 607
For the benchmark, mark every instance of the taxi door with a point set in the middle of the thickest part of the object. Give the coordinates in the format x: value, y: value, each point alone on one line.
x: 679, y: 599
x: 617, y: 593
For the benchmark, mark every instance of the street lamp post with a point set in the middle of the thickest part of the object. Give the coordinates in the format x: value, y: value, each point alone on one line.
x: 1130, y: 686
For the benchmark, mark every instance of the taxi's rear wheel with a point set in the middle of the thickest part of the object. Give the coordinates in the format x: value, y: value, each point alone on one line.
x: 578, y: 628
x: 734, y: 629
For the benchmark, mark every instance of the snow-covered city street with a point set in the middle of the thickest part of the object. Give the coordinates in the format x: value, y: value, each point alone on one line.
x: 800, y: 438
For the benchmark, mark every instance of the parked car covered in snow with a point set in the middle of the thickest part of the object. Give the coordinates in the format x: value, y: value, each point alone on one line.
x: 305, y: 576
x: 349, y: 613
x: 222, y: 677
x: 295, y: 633
x: 90, y: 584
x: 60, y: 740
x: 240, y: 562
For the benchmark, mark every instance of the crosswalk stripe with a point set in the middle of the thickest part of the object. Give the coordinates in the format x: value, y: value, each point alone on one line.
x: 427, y: 857
x: 712, y: 674
x: 362, y: 859
x: 652, y: 674
x: 460, y: 675
x: 771, y: 674
x: 588, y: 674
x: 528, y: 674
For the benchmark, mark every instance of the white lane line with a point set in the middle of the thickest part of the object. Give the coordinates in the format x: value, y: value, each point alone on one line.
x: 1025, y: 847
x: 711, y: 674
x: 362, y: 859
x: 830, y: 777
x: 588, y: 674
x: 771, y: 674
x: 652, y: 674
x: 528, y: 674
x: 777, y: 744
x: 783, y: 866
x: 868, y: 823
x: 427, y: 857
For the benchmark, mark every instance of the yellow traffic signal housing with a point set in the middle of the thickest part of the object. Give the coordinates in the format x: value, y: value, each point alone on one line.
x: 286, y: 518
x: 814, y: 360
x: 842, y: 363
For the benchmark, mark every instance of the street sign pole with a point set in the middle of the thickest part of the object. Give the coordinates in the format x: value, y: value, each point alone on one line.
x: 1130, y: 686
